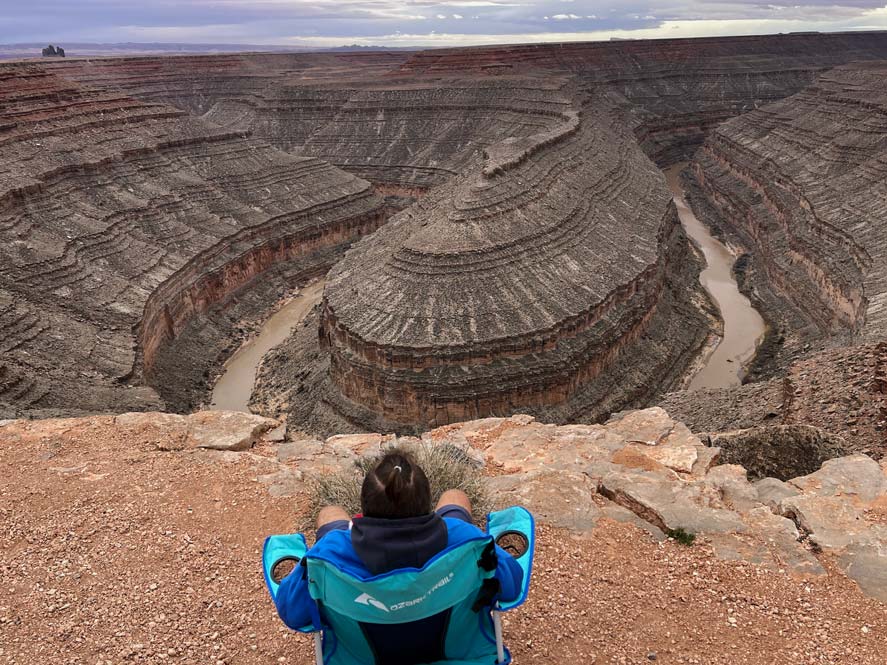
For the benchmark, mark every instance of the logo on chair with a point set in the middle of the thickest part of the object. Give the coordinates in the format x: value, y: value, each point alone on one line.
x: 367, y: 599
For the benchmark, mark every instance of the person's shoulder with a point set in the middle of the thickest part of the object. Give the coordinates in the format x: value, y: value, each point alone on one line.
x: 336, y: 547
x: 459, y: 531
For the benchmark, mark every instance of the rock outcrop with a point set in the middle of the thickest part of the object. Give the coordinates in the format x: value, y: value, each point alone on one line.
x: 123, y: 220
x: 124, y: 542
x: 552, y: 276
x: 642, y: 468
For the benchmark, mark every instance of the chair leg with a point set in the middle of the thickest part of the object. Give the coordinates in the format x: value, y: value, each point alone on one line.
x: 497, y: 627
x: 318, y: 647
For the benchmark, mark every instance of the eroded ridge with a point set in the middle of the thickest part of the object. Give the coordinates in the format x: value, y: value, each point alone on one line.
x: 518, y: 286
x: 405, y: 134
x: 121, y: 219
x: 676, y: 90
x: 801, y: 185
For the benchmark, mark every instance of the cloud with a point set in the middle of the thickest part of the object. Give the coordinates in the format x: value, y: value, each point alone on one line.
x: 336, y: 22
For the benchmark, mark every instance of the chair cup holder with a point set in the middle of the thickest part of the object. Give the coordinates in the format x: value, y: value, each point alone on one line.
x: 283, y: 567
x: 513, y: 542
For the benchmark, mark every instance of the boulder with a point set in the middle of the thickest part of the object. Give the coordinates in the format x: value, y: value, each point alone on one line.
x: 856, y: 476
x: 226, y: 430
x: 771, y: 492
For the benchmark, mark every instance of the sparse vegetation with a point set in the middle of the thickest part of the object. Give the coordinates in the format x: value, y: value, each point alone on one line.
x: 446, y: 466
x: 681, y: 536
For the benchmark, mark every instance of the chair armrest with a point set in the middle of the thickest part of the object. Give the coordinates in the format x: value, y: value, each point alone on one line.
x: 518, y: 523
x: 278, y: 549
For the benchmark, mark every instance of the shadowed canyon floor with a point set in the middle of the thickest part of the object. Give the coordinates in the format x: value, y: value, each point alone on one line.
x: 145, y: 548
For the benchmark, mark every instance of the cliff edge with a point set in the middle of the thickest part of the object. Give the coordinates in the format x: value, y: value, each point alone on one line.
x: 136, y: 538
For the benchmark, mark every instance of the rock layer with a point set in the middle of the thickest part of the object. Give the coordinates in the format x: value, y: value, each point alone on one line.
x: 552, y: 265
x: 801, y: 185
x: 122, y: 219
x: 676, y: 90
x: 211, y: 184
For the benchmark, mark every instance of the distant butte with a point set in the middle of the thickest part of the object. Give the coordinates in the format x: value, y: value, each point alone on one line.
x: 529, y: 257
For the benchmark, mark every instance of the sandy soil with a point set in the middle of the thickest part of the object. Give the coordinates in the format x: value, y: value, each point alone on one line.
x: 115, y: 552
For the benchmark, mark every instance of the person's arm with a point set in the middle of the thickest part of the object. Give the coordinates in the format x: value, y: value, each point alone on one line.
x: 293, y: 600
x: 510, y: 576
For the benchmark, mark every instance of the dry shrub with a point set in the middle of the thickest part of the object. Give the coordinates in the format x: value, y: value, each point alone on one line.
x: 446, y: 466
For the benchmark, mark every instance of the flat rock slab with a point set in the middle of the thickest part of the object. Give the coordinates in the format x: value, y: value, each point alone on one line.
x: 771, y: 492
x: 857, y: 476
x: 668, y: 505
x: 648, y: 426
x: 298, y: 451
x: 676, y: 457
x: 832, y: 522
x: 561, y: 499
x: 354, y: 444
x: 867, y: 566
x: 226, y: 430
x: 286, y: 482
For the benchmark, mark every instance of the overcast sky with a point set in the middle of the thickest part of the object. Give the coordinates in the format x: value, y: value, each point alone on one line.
x: 416, y: 22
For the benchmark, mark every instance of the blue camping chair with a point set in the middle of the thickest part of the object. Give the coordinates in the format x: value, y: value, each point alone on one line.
x: 453, y: 580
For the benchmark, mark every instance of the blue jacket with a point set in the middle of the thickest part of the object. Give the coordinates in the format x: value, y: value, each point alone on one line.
x: 419, y: 537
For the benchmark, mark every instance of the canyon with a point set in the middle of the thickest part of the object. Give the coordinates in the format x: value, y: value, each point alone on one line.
x: 502, y: 252
x: 518, y: 246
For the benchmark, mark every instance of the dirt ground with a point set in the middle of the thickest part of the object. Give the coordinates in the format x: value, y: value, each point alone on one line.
x: 114, y: 552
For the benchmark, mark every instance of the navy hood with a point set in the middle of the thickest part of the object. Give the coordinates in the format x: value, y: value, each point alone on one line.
x: 388, y: 544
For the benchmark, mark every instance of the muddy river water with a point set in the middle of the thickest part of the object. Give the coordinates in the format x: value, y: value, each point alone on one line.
x: 234, y: 387
x: 743, y: 325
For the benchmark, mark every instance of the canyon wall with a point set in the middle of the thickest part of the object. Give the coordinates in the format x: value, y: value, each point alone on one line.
x: 143, y: 196
x: 802, y: 186
x: 551, y: 276
x: 122, y: 219
x: 359, y: 111
x: 676, y: 90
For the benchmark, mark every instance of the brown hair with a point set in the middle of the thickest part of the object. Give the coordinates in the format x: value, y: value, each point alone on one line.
x: 395, y: 488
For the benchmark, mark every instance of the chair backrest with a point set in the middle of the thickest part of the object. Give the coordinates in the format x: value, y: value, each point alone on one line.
x: 450, y: 585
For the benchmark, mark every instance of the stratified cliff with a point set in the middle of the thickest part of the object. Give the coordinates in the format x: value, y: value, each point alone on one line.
x: 359, y: 110
x: 121, y: 220
x: 539, y: 163
x: 802, y: 186
x: 552, y: 275
x: 677, y: 89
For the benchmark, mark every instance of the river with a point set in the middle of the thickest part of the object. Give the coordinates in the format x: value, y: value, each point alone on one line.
x: 724, y: 366
x: 235, y: 386
x: 743, y: 325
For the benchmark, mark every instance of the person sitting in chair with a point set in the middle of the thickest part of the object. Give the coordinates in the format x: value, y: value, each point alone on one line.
x: 397, y: 529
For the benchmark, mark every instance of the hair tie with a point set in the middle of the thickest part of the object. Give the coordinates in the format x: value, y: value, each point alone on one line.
x: 398, y: 468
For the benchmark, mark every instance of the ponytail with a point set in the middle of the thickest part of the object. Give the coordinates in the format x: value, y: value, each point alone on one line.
x: 397, y: 487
